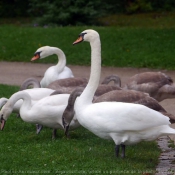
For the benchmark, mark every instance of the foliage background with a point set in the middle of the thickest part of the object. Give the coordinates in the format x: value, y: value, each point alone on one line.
x: 134, y: 33
x: 78, y: 12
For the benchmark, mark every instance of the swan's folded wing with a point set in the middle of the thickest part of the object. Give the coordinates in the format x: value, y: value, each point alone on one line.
x: 119, y: 116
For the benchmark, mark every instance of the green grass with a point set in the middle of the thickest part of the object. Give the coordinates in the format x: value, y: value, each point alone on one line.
x: 171, y: 144
x: 143, y: 40
x: 22, y: 151
x: 143, y: 20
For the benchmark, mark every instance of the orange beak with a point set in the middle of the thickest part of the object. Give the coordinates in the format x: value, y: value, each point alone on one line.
x: 80, y: 39
x: 35, y: 57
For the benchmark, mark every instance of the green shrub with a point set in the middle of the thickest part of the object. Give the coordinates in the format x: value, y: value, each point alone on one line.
x: 163, y: 5
x: 13, y: 8
x: 69, y: 12
x: 139, y: 6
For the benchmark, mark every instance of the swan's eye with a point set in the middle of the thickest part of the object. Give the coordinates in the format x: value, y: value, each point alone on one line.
x: 82, y: 35
x: 37, y: 53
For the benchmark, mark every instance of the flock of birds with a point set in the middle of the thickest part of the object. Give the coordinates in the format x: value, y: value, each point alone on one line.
x: 126, y: 115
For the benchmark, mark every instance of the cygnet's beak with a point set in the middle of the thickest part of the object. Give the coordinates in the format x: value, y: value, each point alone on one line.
x: 66, y: 127
x: 2, y: 123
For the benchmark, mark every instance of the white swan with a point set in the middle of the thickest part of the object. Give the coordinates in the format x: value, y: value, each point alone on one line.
x: 128, y: 96
x: 56, y: 72
x: 124, y: 123
x: 35, y: 94
x: 47, y: 111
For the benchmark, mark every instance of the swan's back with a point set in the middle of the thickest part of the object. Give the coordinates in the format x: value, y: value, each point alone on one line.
x: 149, y: 82
x: 154, y: 77
x: 52, y: 75
x: 115, y: 78
x: 54, y: 100
x: 38, y: 93
x: 131, y: 96
x: 66, y: 73
x: 120, y: 117
x: 105, y: 88
x: 67, y: 82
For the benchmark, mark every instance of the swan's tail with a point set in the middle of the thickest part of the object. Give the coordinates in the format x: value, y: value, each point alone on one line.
x: 155, y: 132
x: 167, y: 130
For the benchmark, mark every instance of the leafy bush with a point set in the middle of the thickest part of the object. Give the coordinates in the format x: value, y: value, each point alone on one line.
x: 13, y: 8
x: 135, y: 6
x: 139, y: 6
x: 67, y: 12
x: 163, y: 5
x: 78, y: 12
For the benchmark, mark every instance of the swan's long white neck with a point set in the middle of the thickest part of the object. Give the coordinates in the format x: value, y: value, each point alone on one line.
x: 88, y: 94
x: 61, y: 59
x: 17, y: 96
x: 3, y: 101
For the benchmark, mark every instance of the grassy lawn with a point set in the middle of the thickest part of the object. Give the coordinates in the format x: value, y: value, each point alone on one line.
x: 143, y: 20
x: 22, y: 150
x: 145, y: 40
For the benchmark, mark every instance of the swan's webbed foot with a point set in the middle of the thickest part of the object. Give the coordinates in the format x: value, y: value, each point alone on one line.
x: 54, y: 133
x: 117, y: 150
x: 38, y: 128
